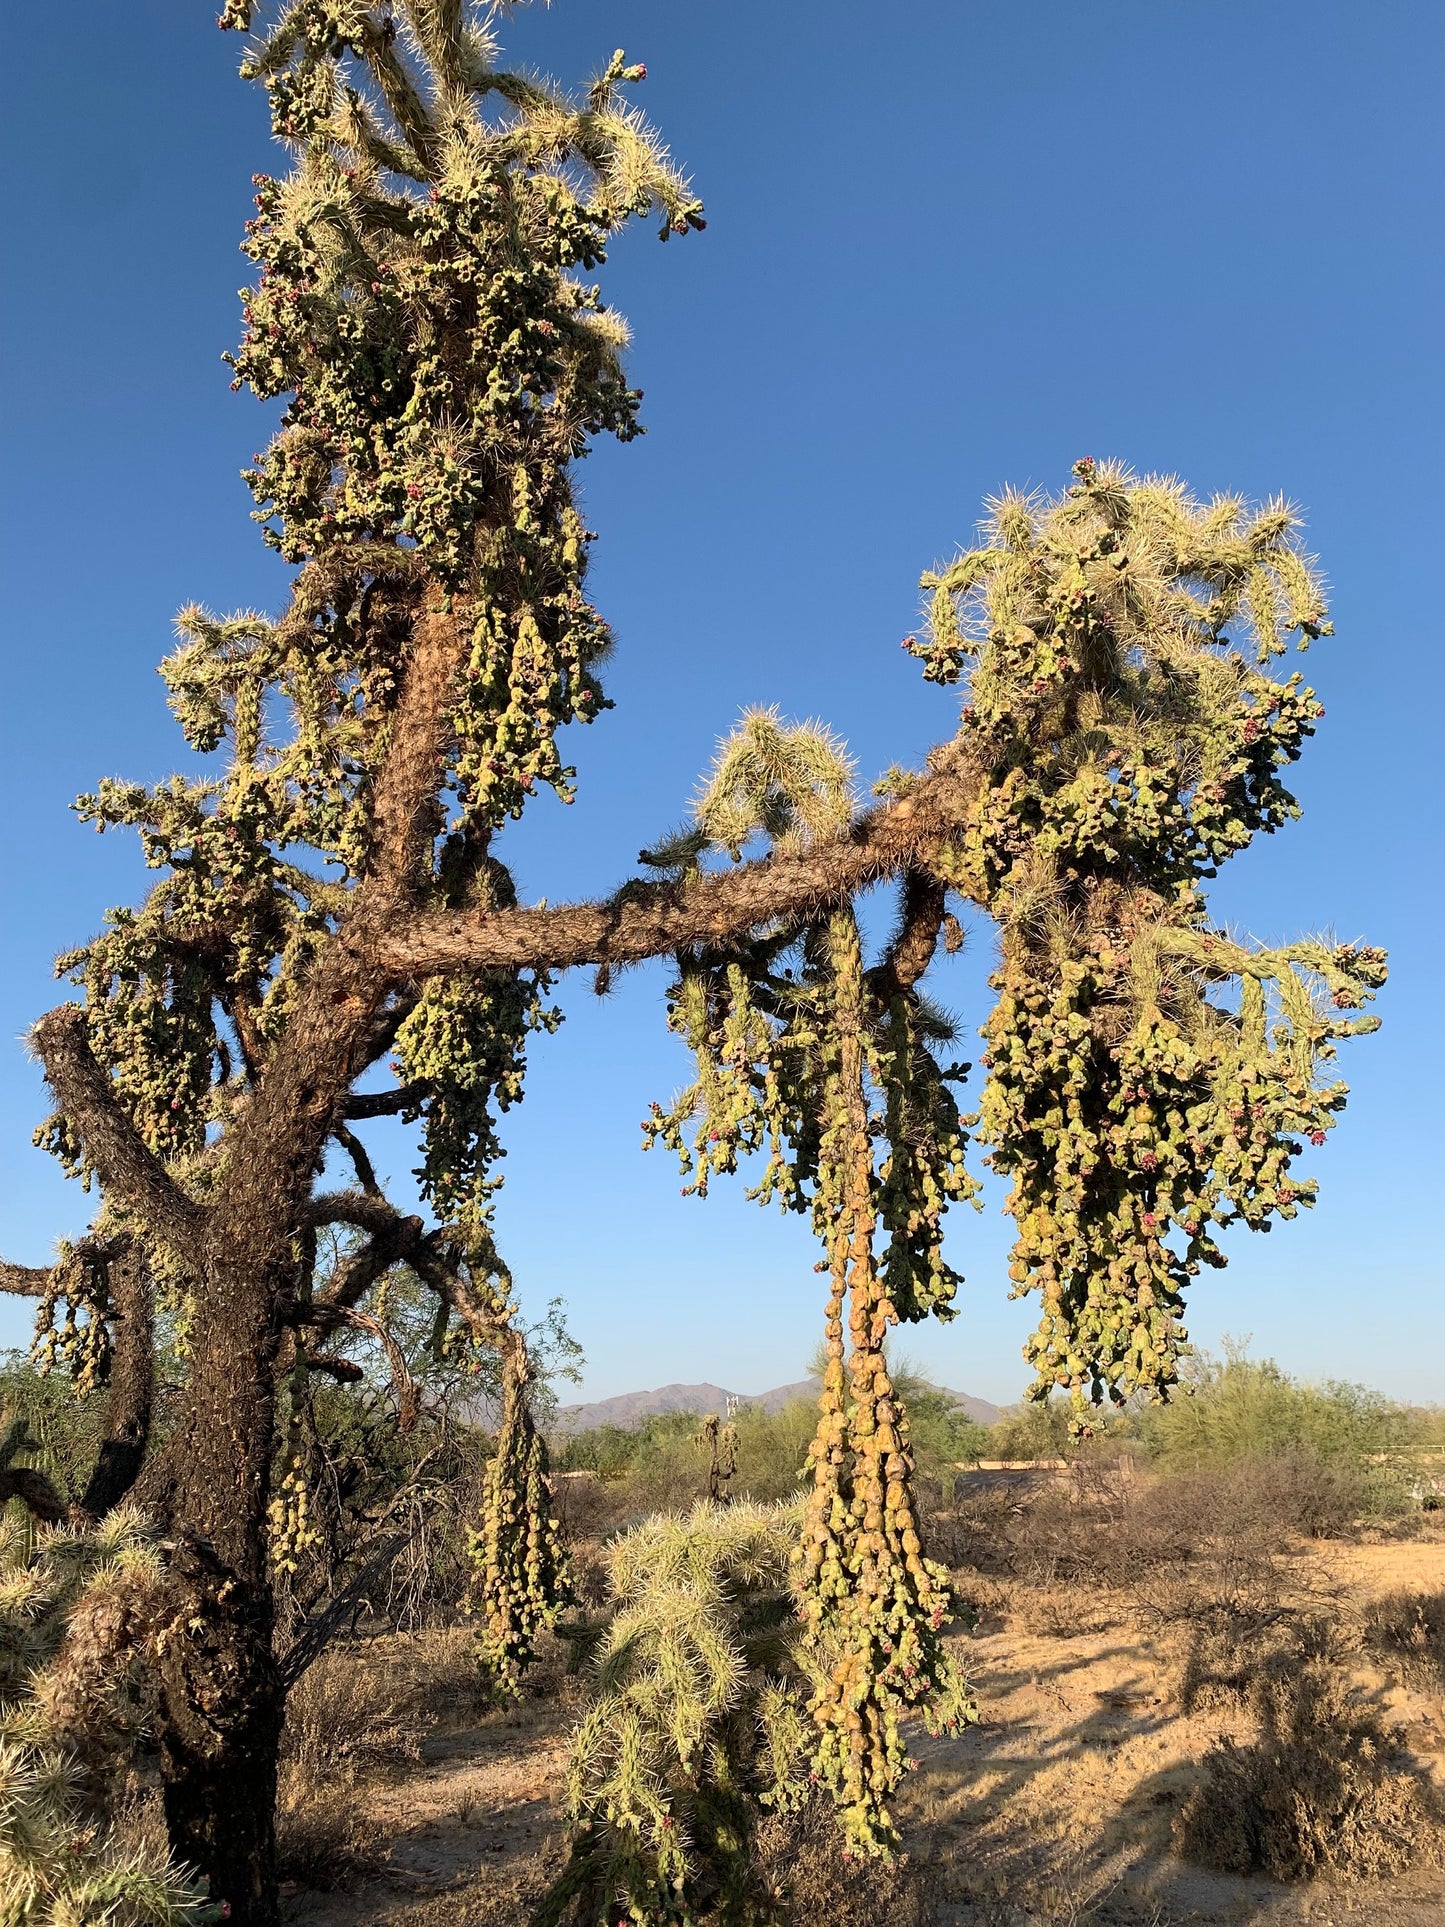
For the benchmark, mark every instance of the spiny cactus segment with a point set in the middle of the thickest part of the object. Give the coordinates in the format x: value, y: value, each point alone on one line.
x: 77, y: 1609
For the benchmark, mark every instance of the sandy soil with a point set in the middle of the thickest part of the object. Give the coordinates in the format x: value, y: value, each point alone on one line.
x: 1056, y: 1808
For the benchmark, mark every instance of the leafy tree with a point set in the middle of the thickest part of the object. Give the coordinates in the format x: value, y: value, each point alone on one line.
x: 331, y: 904
x: 1242, y: 1407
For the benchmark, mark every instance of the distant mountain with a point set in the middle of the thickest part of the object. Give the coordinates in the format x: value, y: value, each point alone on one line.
x: 631, y: 1408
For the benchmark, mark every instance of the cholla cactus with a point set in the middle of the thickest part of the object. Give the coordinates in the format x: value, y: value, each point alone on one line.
x: 1128, y: 750
x: 792, y: 785
x: 875, y: 1607
x: 814, y: 1064
x: 425, y: 318
x: 696, y: 1720
x: 523, y: 1573
x: 75, y: 1609
x: 330, y: 899
x: 719, y: 1441
x: 1115, y: 748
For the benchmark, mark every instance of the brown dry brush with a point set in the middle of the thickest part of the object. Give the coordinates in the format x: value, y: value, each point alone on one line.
x: 1323, y: 1784
x: 1325, y: 1788
x: 1406, y: 1630
x: 361, y: 1710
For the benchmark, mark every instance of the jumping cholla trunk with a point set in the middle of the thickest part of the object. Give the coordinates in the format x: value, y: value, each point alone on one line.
x: 222, y: 1703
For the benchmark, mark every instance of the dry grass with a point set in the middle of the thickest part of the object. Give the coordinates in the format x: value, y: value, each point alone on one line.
x: 1181, y: 1671
x: 1105, y: 1522
x: 360, y: 1711
x: 1185, y: 1695
x: 324, y: 1839
x: 810, y: 1881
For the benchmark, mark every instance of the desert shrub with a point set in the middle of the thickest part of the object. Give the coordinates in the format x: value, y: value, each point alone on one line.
x: 1324, y: 1789
x: 1292, y: 1493
x: 366, y: 1480
x: 1200, y: 1549
x: 370, y: 1704
x: 1033, y: 1430
x: 77, y: 1609
x: 1407, y: 1629
x: 323, y: 1838
x: 1239, y: 1647
x: 607, y: 1450
x: 941, y: 1434
x: 772, y: 1447
x: 658, y: 1465
x: 1239, y: 1408
x: 65, y: 1427
x: 1302, y: 1490
x: 346, y: 1714
x: 802, y: 1874
x: 655, y: 1466
x: 1113, y: 1523
x: 350, y: 1478
x: 693, y: 1723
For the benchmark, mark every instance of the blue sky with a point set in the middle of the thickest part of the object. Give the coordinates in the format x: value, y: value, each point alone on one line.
x: 951, y: 245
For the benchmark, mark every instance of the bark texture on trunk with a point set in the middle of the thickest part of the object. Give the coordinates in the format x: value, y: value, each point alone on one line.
x: 222, y: 1694
x: 132, y: 1386
x: 221, y: 1713
x: 221, y: 1698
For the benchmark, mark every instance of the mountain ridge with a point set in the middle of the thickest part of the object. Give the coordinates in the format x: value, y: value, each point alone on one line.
x: 630, y: 1409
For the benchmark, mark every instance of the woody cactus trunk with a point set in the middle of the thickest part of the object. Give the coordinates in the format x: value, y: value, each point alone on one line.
x: 421, y: 310
x: 333, y: 936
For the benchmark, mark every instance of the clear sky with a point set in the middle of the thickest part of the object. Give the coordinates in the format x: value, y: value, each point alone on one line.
x: 951, y: 244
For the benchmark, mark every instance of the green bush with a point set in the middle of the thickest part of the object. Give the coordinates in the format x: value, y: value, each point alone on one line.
x: 660, y: 1466
x: 1238, y: 1407
x: 67, y: 1427
x: 1032, y: 1431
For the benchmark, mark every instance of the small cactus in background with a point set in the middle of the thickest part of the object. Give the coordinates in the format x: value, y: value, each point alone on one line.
x: 720, y: 1442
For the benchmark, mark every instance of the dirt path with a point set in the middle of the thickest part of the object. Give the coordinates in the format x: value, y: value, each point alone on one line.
x: 470, y: 1834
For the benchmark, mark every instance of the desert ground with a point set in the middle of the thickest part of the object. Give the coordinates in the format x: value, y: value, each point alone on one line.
x: 1115, y: 1655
